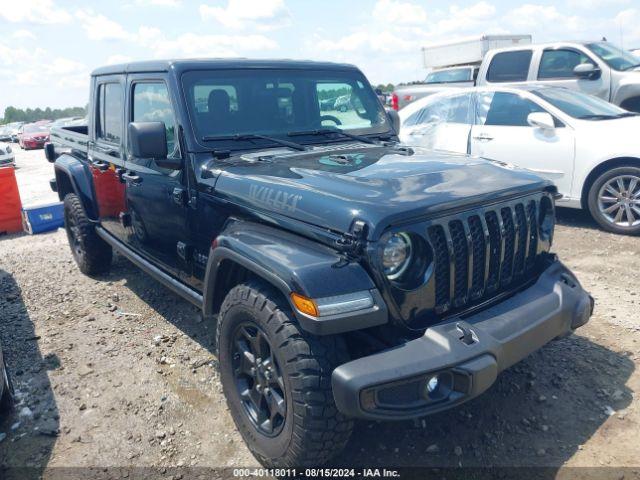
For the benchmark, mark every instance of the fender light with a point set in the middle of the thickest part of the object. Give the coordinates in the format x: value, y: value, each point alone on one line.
x: 335, y: 305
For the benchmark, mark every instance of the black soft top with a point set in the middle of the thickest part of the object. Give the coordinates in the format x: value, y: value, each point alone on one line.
x: 216, y: 63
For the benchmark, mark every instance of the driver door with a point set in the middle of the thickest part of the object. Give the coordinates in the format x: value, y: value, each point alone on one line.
x: 156, y: 196
x: 556, y: 69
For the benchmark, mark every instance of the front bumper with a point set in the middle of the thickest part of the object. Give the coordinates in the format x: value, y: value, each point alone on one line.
x: 33, y: 143
x: 464, y: 354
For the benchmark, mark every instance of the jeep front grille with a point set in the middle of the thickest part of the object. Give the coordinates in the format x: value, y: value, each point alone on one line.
x: 482, y: 253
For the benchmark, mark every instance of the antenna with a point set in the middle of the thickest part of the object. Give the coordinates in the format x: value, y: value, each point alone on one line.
x: 621, y: 35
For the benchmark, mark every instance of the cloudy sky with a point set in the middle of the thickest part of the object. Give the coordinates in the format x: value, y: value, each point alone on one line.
x: 48, y: 47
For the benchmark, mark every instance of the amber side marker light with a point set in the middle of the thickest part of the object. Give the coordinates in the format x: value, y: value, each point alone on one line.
x: 304, y: 304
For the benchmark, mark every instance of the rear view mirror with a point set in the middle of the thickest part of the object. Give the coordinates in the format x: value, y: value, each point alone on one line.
x: 394, y: 118
x: 541, y: 120
x: 587, y: 70
x: 149, y: 140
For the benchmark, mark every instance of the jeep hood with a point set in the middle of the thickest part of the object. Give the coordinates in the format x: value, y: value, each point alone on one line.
x: 331, y: 188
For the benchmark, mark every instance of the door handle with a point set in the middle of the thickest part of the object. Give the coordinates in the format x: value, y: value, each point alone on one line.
x: 483, y: 137
x: 107, y: 150
x: 131, y: 177
x: 100, y: 165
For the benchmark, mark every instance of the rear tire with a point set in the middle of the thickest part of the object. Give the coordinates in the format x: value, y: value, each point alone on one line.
x: 614, y: 200
x: 91, y: 253
x: 307, y: 429
x: 632, y: 104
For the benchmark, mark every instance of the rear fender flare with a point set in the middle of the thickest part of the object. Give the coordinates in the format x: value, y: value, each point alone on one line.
x: 72, y: 174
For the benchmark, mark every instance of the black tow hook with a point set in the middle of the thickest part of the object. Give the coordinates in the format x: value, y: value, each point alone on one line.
x: 467, y: 334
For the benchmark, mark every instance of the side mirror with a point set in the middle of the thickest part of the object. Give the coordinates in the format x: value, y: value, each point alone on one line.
x: 149, y: 140
x: 394, y: 118
x: 541, y: 120
x: 50, y: 152
x: 587, y: 70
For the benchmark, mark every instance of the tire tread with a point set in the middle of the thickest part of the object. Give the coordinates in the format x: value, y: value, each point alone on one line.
x: 320, y: 431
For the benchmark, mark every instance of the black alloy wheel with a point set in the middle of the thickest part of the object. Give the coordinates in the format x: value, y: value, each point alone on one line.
x: 258, y: 379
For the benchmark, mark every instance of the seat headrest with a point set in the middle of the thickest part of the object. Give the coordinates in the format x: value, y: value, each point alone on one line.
x: 219, y: 101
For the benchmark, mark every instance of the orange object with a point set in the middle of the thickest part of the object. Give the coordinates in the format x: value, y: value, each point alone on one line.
x: 304, y: 304
x: 10, y: 204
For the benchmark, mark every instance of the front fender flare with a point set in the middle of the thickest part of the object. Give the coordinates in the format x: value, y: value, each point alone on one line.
x: 292, y: 264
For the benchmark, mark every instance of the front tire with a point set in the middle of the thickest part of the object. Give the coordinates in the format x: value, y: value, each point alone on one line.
x: 277, y: 380
x: 614, y: 200
x: 92, y: 254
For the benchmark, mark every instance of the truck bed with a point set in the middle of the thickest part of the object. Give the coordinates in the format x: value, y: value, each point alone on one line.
x: 74, y: 138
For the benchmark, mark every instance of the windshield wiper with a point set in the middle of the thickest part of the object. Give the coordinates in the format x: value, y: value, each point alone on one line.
x: 627, y: 114
x: 327, y: 131
x: 254, y: 136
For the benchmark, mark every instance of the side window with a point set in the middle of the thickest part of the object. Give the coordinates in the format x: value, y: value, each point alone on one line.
x: 560, y: 63
x: 510, y: 66
x: 446, y: 110
x: 151, y: 103
x: 109, y: 122
x: 505, y: 109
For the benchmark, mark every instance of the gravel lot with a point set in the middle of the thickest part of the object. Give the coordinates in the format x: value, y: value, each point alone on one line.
x: 117, y: 371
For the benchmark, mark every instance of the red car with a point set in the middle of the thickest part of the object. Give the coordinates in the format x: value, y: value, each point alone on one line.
x: 33, y: 135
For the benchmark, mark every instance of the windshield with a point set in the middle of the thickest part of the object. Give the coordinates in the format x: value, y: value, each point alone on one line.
x: 580, y: 105
x: 613, y: 56
x: 449, y: 76
x: 277, y: 102
x: 35, y: 128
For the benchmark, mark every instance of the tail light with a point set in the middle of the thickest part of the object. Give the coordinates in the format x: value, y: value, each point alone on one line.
x: 394, y: 101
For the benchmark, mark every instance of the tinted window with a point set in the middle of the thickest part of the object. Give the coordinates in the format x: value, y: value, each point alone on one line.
x: 109, y: 121
x: 454, y: 109
x: 151, y: 103
x: 510, y: 66
x: 505, y: 109
x: 560, y: 63
x: 277, y: 102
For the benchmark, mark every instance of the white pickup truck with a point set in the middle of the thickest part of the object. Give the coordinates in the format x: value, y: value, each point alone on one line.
x: 597, y: 68
x: 453, y: 64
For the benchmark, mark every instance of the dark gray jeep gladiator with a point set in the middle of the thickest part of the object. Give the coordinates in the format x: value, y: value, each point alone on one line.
x: 348, y: 277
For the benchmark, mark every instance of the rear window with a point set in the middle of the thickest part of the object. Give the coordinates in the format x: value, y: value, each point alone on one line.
x: 109, y: 122
x: 510, y: 66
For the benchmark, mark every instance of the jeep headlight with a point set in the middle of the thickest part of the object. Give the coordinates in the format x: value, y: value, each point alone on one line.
x: 396, y: 255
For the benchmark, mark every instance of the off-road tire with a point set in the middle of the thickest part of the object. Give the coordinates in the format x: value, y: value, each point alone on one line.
x: 592, y: 199
x: 8, y: 393
x: 313, y: 430
x: 92, y: 254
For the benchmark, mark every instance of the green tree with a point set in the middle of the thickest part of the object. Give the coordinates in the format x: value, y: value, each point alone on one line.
x: 13, y: 114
